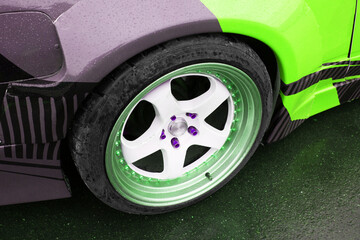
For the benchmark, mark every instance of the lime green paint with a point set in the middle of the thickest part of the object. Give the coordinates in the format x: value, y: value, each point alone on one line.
x: 326, y: 97
x: 313, y: 100
x: 302, y: 34
x: 355, y: 53
x: 335, y: 19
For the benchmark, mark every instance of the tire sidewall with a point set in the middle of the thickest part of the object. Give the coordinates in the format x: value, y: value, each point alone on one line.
x: 94, y: 124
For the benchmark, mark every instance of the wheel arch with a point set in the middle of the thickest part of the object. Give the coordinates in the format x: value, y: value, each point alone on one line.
x: 267, y: 55
x: 94, y: 46
x: 141, y: 72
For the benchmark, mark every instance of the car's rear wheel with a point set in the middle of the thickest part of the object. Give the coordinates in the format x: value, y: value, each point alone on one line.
x: 173, y: 125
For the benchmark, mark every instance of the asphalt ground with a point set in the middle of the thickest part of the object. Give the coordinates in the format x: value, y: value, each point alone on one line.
x: 306, y: 186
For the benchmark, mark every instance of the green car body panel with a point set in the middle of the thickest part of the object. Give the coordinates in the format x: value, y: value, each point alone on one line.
x: 355, y: 51
x: 305, y: 36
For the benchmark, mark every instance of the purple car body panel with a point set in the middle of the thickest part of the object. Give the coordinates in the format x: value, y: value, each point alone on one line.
x: 20, y: 188
x: 29, y: 40
x: 96, y: 37
x: 22, y: 180
x: 53, y: 8
x: 95, y: 42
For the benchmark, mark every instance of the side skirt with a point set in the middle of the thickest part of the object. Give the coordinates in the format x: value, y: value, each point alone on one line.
x: 29, y: 180
x: 336, y: 84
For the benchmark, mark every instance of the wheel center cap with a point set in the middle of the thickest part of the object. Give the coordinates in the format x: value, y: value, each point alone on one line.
x: 178, y: 127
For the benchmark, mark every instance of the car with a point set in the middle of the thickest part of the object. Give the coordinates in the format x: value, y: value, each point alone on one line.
x: 161, y: 103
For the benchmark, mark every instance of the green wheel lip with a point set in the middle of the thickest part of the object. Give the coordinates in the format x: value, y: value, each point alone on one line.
x: 159, y: 193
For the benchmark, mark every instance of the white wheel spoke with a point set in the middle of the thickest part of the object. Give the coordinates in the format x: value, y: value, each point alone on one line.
x: 165, y: 106
x: 174, y: 162
x: 208, y: 102
x: 163, y: 101
x: 211, y: 137
x: 143, y: 146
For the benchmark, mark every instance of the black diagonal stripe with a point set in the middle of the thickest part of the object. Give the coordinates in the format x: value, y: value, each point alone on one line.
x: 342, y: 63
x: 281, y: 125
x: 353, y: 71
x: 334, y: 73
x: 341, y: 92
x: 348, y: 90
x: 36, y: 118
x: 353, y: 92
x: 356, y: 90
x: 277, y: 124
x: 311, y: 79
x: 336, y: 63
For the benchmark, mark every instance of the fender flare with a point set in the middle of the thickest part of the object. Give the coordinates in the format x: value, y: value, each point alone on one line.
x: 96, y: 39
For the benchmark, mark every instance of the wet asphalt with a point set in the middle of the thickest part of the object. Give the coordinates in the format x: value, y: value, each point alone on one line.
x: 306, y: 186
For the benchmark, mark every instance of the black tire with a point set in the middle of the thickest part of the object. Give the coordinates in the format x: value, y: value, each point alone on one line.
x: 95, y: 120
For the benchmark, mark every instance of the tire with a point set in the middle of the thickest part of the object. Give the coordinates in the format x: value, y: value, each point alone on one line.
x: 164, y: 97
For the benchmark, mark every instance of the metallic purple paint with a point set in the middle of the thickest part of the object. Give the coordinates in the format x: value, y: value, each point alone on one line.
x: 17, y: 187
x: 29, y: 40
x: 193, y: 131
x: 162, y: 136
x: 192, y: 115
x: 23, y: 179
x: 42, y: 172
x: 175, y: 142
x: 53, y: 8
x: 47, y: 120
x: 97, y: 37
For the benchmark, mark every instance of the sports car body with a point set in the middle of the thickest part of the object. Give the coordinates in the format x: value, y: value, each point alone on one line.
x: 58, y: 58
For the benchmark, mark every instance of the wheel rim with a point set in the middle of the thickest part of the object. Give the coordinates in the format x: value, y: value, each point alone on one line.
x: 177, y: 183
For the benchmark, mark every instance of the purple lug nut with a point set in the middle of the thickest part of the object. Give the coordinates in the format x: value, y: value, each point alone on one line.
x: 193, y: 131
x: 175, y: 142
x: 162, y: 136
x: 173, y: 118
x: 192, y: 115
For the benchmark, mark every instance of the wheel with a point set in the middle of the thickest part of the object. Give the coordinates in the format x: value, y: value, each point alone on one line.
x: 172, y: 125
